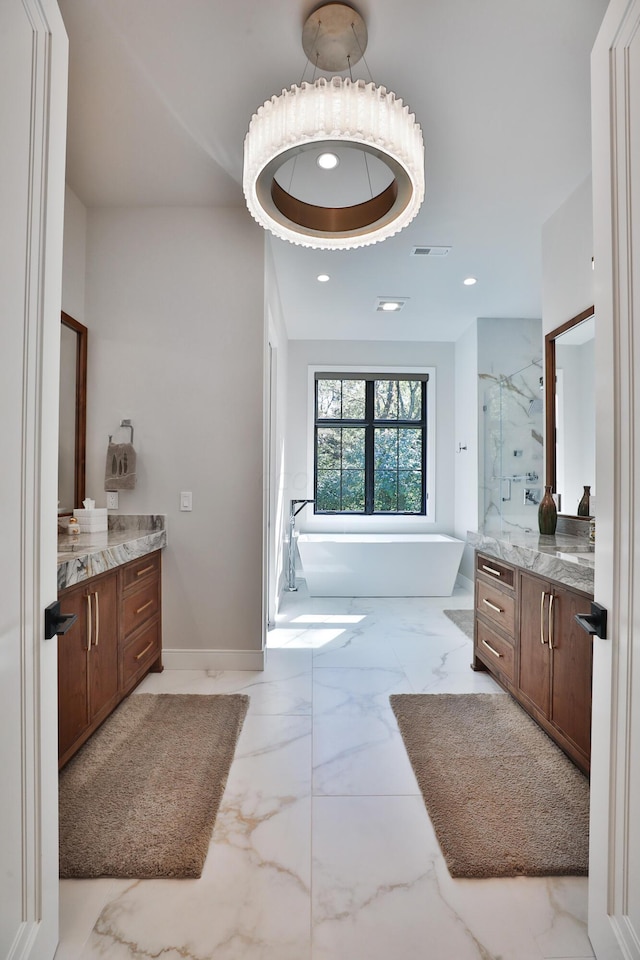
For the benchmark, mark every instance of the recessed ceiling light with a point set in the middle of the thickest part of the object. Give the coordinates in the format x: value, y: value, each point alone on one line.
x: 469, y: 282
x: 328, y: 161
x: 323, y: 277
x: 390, y: 304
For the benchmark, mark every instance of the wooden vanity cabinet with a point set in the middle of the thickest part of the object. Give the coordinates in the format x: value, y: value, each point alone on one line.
x: 555, y: 663
x: 526, y: 636
x: 88, y: 681
x: 115, y: 642
x: 495, y: 620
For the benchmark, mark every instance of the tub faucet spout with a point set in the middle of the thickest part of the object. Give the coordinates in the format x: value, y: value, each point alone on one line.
x: 295, y: 507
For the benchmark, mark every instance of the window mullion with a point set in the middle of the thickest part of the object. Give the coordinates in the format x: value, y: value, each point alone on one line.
x: 369, y: 441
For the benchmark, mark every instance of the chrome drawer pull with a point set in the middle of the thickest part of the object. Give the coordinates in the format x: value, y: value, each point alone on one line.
x: 493, y: 606
x: 145, y: 570
x: 496, y: 573
x: 144, y: 606
x: 146, y: 650
x: 494, y: 652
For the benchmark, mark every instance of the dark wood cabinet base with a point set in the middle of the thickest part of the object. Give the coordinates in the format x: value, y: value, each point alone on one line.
x: 525, y: 635
x: 115, y: 642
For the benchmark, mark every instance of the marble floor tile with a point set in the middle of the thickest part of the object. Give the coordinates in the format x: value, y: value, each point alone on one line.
x: 284, y: 687
x: 253, y: 899
x: 81, y: 901
x: 360, y: 756
x: 356, y: 691
x: 321, y: 768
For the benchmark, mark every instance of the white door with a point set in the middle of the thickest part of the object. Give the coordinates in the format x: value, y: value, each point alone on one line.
x: 33, y: 72
x: 614, y: 866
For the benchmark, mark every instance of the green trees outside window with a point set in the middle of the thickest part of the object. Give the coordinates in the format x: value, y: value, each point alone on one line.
x: 370, y: 444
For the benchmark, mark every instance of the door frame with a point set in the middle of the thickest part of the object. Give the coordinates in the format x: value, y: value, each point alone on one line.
x: 614, y: 854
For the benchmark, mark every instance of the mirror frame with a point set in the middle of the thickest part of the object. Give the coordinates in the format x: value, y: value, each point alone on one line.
x: 81, y: 407
x: 550, y: 398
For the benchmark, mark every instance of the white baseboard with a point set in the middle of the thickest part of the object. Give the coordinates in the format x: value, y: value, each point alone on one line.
x: 464, y: 582
x: 213, y: 659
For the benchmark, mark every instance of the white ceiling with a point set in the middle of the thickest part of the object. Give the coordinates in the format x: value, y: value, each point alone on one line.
x: 162, y: 91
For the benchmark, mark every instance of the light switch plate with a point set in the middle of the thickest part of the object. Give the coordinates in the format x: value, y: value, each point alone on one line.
x: 186, y: 501
x: 112, y: 499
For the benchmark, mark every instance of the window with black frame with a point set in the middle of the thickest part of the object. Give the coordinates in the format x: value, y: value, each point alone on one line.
x: 370, y: 443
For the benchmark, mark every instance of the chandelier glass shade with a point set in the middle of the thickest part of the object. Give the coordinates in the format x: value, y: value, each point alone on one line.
x: 332, y: 114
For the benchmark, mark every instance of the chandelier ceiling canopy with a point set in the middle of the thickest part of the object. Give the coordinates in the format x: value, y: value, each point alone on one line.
x: 337, y: 163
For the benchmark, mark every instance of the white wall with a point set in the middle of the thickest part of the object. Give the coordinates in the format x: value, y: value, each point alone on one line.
x: 175, y: 309
x: 74, y: 256
x: 567, y: 249
x: 299, y: 479
x: 278, y: 513
x: 467, y: 483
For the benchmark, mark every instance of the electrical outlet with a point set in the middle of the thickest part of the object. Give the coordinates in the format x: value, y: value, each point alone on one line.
x: 186, y: 502
x: 112, y: 499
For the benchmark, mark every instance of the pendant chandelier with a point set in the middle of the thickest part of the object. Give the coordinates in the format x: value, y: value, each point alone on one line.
x: 351, y: 140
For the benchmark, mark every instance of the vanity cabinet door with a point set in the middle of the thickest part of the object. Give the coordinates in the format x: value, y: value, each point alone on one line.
x: 73, y: 673
x: 571, y: 669
x: 103, y: 660
x: 534, y: 674
x: 87, y: 661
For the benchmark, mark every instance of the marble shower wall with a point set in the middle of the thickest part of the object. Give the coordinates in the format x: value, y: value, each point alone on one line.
x: 511, y: 422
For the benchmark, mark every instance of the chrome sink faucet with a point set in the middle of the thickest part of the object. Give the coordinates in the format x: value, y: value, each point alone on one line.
x: 294, y: 509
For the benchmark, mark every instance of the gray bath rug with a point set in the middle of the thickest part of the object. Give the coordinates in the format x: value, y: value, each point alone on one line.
x: 462, y: 619
x: 504, y: 800
x: 140, y: 798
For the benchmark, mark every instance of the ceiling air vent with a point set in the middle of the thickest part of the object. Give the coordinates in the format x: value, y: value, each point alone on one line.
x: 430, y: 251
x: 390, y: 304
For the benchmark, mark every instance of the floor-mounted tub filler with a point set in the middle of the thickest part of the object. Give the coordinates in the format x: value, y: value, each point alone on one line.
x: 379, y: 564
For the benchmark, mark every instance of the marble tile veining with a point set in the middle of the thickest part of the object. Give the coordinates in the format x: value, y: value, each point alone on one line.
x: 323, y: 849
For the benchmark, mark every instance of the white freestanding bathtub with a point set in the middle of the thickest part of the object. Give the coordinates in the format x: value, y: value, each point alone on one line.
x: 379, y: 564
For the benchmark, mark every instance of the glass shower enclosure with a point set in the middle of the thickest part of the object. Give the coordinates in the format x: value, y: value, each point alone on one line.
x: 513, y: 445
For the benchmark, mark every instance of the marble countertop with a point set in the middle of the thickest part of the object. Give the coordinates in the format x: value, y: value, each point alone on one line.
x: 561, y: 557
x: 88, y: 554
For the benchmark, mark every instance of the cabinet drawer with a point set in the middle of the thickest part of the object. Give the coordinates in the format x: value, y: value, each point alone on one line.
x: 495, y: 651
x: 139, y: 570
x: 140, y: 606
x: 140, y: 652
x: 495, y: 569
x: 496, y: 605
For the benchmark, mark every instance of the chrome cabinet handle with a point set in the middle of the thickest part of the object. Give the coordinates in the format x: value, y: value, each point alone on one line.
x: 492, y: 570
x: 97, y: 618
x: 492, y: 605
x: 542, y: 596
x: 490, y: 648
x: 89, y: 623
x: 551, y: 599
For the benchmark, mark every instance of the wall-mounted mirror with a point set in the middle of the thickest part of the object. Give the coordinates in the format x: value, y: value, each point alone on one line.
x: 571, y: 412
x: 73, y: 414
